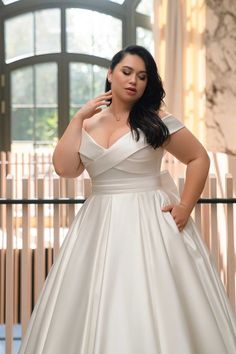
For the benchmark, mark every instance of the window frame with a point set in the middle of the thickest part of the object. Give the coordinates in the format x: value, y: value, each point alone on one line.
x: 125, y: 12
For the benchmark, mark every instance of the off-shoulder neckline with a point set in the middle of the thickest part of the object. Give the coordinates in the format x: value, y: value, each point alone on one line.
x: 118, y: 140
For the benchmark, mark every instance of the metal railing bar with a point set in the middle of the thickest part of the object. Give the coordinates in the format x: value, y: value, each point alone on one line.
x: 82, y: 200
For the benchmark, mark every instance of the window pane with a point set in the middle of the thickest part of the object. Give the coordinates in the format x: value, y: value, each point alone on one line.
x: 46, y: 125
x: 145, y: 7
x: 18, y: 40
x: 34, y: 106
x: 87, y: 32
x: 48, y: 31
x: 39, y: 126
x: 22, y: 98
x: 22, y: 120
x: 145, y: 38
x: 46, y: 84
x: 86, y: 81
x: 22, y: 87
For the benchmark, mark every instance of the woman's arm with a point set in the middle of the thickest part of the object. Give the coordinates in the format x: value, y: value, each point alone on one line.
x: 66, y: 158
x: 187, y: 149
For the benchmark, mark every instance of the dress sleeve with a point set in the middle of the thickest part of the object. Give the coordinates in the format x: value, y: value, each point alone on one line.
x: 172, y: 123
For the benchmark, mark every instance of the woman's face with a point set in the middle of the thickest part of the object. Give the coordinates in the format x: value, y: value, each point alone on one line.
x: 128, y: 79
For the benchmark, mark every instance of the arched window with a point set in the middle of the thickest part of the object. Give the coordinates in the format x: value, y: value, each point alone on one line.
x: 55, y: 57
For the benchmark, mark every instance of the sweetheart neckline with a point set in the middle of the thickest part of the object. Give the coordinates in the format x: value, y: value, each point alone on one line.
x: 109, y: 147
x: 120, y: 138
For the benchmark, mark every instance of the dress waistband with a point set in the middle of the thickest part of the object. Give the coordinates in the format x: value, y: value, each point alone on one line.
x: 134, y: 184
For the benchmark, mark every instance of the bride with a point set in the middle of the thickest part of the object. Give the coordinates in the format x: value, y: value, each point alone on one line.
x: 133, y: 275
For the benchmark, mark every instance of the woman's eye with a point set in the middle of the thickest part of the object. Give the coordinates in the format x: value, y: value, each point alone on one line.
x: 126, y: 72
x: 142, y: 78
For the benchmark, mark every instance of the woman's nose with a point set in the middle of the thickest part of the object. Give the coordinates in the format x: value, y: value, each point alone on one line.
x: 133, y: 78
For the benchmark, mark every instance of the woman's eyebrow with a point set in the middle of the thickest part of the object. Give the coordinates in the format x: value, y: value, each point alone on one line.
x: 128, y: 67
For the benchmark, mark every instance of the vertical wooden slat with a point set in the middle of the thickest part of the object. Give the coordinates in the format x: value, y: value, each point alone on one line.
x: 16, y: 287
x: 16, y: 193
x: 26, y: 257
x: 230, y: 242
x: 63, y: 207
x: 35, y: 163
x: 9, y: 271
x: 3, y: 173
x: 56, y: 218
x: 198, y: 217
x: 49, y: 226
x: 22, y: 158
x: 2, y: 285
x: 80, y: 182
x: 40, y: 249
x: 71, y: 194
x: 206, y: 216
x: 87, y: 187
x: 51, y: 206
x: 214, y: 234
x: 42, y: 172
x: 50, y: 173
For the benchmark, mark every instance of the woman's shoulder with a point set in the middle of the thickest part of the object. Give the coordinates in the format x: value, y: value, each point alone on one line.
x: 163, y: 114
x: 90, y: 123
x: 172, y: 123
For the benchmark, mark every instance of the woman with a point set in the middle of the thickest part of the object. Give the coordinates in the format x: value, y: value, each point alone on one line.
x: 133, y: 275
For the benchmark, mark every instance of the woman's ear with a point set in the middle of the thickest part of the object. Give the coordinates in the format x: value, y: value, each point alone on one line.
x: 109, y: 75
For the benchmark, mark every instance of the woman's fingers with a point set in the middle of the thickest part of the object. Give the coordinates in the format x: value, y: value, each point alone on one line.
x: 94, y: 105
x: 167, y: 208
x: 178, y: 213
x: 102, y: 103
x: 103, y: 99
x: 97, y: 110
x: 103, y: 96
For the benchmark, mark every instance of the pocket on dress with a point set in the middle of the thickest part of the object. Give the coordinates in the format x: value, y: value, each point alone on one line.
x: 172, y: 221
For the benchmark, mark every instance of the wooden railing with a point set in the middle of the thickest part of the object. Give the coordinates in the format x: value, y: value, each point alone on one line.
x: 36, y: 210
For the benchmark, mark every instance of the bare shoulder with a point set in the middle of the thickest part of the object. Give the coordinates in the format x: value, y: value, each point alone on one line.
x: 92, y: 122
x: 162, y: 114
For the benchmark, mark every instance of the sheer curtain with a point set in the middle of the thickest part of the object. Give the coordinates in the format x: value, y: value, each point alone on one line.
x: 179, y: 27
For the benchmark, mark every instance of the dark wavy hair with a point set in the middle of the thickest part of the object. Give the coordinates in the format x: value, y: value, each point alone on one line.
x: 144, y: 113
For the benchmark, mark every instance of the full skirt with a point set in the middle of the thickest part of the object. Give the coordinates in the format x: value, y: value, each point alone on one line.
x: 126, y: 281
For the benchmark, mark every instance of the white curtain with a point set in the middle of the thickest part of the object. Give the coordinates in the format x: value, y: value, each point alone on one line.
x: 179, y: 27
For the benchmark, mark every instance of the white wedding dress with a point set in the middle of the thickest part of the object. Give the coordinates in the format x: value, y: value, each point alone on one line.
x: 126, y: 281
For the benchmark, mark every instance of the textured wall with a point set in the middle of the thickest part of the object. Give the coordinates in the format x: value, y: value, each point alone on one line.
x: 221, y: 75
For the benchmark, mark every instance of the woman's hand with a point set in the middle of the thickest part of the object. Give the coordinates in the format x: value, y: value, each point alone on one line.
x: 180, y: 214
x: 93, y: 106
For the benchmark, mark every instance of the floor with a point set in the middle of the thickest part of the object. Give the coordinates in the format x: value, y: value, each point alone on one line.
x: 16, y: 339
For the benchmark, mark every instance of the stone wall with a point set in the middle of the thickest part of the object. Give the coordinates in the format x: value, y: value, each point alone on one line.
x: 221, y: 75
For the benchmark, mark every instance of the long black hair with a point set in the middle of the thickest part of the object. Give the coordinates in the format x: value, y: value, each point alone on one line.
x: 144, y: 113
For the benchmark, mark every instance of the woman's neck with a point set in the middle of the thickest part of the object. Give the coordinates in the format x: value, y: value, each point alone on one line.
x: 119, y: 110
